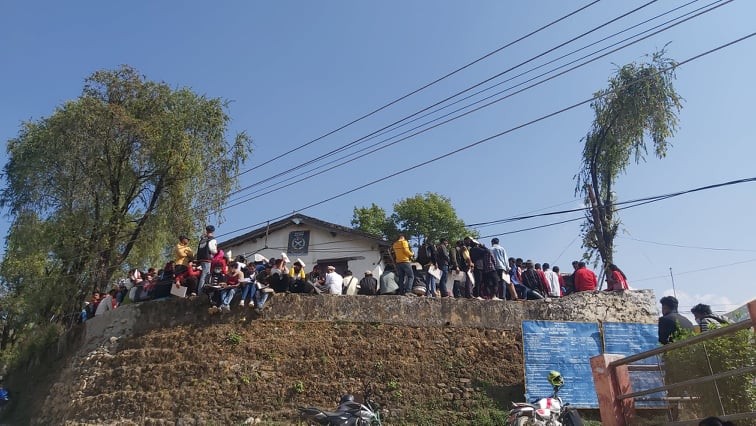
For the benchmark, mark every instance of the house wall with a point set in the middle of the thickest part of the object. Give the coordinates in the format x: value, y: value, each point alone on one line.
x: 324, y: 244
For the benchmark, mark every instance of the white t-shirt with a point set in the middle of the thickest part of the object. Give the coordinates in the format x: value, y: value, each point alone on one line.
x: 334, y: 282
x: 553, y: 279
x: 351, y: 283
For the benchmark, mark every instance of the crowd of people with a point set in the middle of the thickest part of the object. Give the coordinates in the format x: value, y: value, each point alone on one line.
x: 466, y: 269
x: 470, y: 269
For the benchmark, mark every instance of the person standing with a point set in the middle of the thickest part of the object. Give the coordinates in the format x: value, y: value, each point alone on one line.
x: 671, y: 322
x: 502, y: 267
x: 403, y: 257
x: 182, y: 252
x: 585, y: 279
x: 706, y: 319
x: 443, y: 261
x: 206, y: 250
x: 555, y: 289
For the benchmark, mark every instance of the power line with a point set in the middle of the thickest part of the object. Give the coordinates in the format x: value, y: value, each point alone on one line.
x: 484, y: 140
x: 696, y: 270
x: 352, y: 143
x: 401, y: 98
x: 481, y: 107
x: 686, y: 246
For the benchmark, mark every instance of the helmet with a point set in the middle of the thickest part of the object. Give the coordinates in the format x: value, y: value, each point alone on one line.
x: 346, y: 398
x: 555, y: 378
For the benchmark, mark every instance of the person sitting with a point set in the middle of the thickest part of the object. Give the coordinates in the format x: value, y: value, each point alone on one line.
x: 617, y: 281
x: 388, y: 282
x: 298, y: 278
x: 228, y: 288
x: 350, y: 284
x: 107, y: 304
x: 264, y: 291
x: 368, y: 285
x: 279, y: 279
x: 188, y: 276
x: 706, y: 319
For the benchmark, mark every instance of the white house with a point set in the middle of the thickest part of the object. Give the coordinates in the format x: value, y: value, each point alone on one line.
x: 315, y: 242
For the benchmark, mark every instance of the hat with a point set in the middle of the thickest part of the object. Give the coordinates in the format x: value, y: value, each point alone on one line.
x: 260, y: 258
x: 330, y: 267
x: 300, y: 262
x: 368, y: 272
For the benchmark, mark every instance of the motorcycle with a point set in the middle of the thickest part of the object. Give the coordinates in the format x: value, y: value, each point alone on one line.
x: 348, y: 413
x: 550, y: 411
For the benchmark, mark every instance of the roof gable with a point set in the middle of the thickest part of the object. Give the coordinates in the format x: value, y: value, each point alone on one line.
x: 302, y: 220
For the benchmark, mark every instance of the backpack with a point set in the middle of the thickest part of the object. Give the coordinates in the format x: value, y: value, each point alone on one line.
x: 423, y: 254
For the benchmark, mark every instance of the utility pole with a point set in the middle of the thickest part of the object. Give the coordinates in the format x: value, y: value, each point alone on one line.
x: 674, y: 291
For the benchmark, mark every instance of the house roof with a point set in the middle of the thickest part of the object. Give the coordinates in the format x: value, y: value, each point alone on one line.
x: 305, y: 220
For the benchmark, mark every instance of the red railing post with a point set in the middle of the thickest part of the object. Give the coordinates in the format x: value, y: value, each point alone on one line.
x: 611, y: 382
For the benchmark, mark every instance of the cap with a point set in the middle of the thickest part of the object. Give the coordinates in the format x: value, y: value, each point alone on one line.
x: 368, y: 272
x: 330, y: 267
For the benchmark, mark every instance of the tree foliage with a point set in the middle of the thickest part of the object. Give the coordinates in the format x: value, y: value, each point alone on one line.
x: 639, y: 104
x: 373, y: 220
x: 108, y: 181
x: 424, y: 216
x: 718, y: 355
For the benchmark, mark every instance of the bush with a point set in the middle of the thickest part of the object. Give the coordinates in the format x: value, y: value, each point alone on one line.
x: 726, y: 353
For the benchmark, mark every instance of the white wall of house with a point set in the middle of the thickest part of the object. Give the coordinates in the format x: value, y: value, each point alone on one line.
x: 324, y: 244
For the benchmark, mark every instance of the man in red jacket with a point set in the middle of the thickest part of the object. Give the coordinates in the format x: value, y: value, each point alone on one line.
x: 585, y: 279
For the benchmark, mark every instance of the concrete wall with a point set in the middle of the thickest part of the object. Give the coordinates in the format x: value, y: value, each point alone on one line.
x: 323, y: 244
x: 633, y: 306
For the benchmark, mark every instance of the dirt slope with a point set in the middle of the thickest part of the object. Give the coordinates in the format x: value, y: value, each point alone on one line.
x: 236, y: 370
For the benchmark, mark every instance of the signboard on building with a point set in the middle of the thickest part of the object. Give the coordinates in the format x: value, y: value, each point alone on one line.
x: 299, y: 242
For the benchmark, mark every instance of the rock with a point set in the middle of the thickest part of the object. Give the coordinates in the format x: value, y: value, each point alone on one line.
x: 113, y: 340
x: 465, y: 380
x: 252, y: 421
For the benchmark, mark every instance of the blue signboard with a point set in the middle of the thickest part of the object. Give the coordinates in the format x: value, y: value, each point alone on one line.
x: 629, y: 339
x: 566, y: 347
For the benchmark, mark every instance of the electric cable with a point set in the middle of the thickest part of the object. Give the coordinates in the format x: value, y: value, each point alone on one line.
x: 242, y: 201
x: 468, y: 88
x: 495, y: 136
x: 399, y: 99
x: 393, y: 127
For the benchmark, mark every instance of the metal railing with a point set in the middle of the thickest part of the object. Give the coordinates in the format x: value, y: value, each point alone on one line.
x: 619, y: 402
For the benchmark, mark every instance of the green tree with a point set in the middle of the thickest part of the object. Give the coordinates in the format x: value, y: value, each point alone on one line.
x: 107, y: 181
x: 373, y: 220
x: 640, y: 103
x: 425, y: 216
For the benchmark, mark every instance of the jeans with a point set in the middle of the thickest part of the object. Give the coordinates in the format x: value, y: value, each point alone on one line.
x: 203, y: 275
x: 227, y: 296
x: 443, y: 282
x: 262, y: 297
x: 405, y: 277
x: 248, y: 291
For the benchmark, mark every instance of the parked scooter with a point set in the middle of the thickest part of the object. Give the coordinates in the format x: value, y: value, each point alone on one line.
x: 551, y: 411
x: 348, y: 413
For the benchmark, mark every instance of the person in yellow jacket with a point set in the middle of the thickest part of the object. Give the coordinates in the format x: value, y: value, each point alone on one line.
x: 403, y: 257
x: 183, y: 253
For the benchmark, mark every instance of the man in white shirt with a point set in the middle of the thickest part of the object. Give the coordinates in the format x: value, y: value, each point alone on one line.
x: 553, y: 279
x: 333, y: 281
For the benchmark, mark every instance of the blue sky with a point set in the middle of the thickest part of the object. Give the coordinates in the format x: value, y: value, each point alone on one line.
x: 297, y: 70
